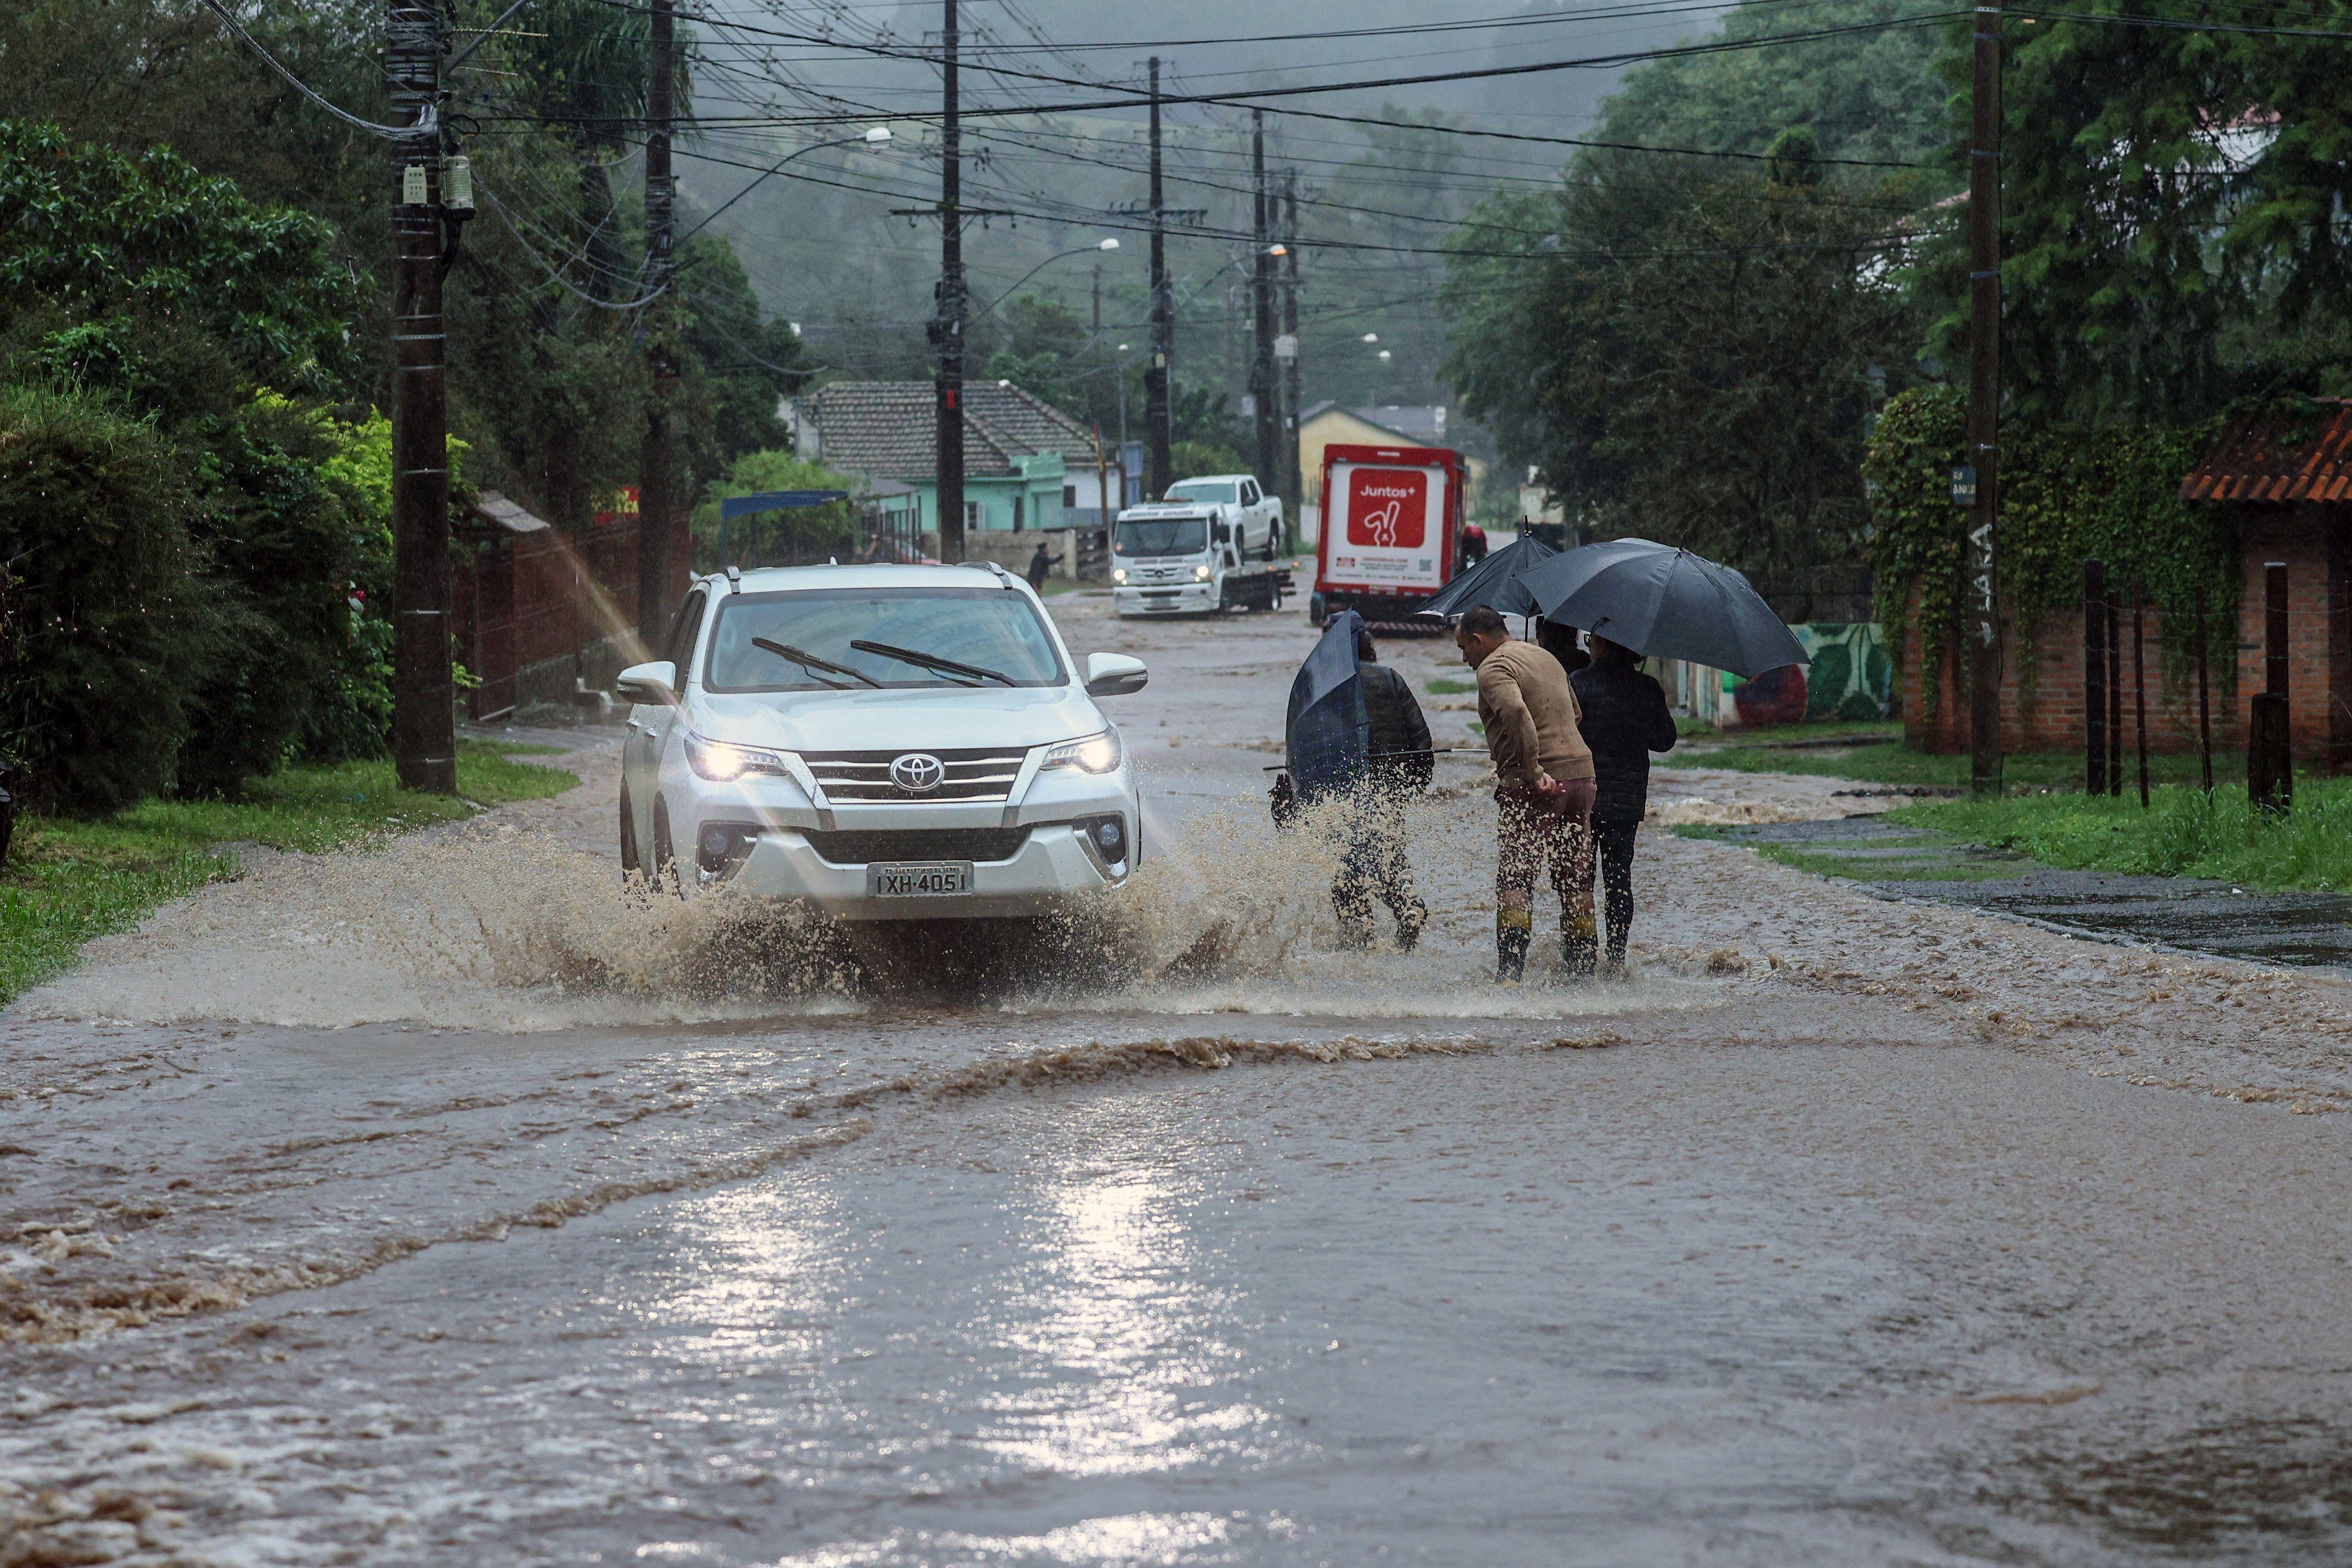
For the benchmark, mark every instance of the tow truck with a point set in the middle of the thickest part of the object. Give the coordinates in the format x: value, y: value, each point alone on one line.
x: 1173, y: 558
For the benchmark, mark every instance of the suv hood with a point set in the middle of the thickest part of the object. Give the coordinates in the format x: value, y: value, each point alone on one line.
x: 924, y: 720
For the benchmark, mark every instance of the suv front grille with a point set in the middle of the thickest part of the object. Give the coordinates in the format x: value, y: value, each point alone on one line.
x: 982, y: 774
x: 861, y: 846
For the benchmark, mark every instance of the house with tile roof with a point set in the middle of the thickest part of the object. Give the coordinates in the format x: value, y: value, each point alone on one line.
x: 1027, y: 465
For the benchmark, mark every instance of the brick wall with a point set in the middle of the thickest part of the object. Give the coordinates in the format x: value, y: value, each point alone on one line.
x: 2053, y: 719
x: 2318, y: 557
x: 2319, y: 641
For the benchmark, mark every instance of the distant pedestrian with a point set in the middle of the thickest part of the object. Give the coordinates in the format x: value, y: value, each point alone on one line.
x: 1473, y: 546
x: 1543, y: 790
x: 1041, y: 565
x: 1625, y: 718
x: 1399, y: 765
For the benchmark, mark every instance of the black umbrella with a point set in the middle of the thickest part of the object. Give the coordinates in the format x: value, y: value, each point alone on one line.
x: 1666, y: 602
x: 1494, y: 581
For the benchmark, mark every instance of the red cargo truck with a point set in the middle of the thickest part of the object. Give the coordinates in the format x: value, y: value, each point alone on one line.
x: 1391, y: 530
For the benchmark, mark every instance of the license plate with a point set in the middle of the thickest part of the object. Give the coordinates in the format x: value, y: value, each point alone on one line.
x: 919, y: 879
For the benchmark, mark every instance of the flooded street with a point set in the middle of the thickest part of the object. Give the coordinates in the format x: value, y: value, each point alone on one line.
x: 439, y: 1205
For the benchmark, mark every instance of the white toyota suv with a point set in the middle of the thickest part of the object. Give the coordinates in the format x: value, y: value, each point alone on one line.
x: 882, y: 742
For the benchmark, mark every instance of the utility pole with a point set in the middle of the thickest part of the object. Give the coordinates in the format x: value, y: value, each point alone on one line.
x: 423, y: 694
x: 1156, y: 465
x: 946, y: 325
x: 656, y: 507
x: 1265, y: 397
x: 1984, y: 403
x: 1294, y: 488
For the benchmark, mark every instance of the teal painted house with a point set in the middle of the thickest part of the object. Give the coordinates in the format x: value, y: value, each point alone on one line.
x: 1027, y: 465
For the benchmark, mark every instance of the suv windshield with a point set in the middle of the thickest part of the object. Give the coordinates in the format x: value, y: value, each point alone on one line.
x: 980, y: 628
x: 1222, y: 491
x: 1163, y: 536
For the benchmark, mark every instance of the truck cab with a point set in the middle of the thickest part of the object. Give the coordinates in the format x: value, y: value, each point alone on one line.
x: 1179, y: 557
x: 1255, y: 516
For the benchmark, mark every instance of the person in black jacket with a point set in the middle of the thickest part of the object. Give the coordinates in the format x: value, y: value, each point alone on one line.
x: 1623, y: 720
x: 1399, y: 766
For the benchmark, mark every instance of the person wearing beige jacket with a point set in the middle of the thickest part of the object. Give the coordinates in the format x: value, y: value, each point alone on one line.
x: 1543, y: 790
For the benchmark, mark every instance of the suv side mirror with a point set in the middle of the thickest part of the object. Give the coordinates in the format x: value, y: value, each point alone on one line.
x: 1219, y: 533
x: 654, y: 684
x: 1114, y: 675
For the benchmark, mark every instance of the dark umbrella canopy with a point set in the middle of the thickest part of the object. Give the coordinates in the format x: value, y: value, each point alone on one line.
x: 1326, y: 731
x: 1494, y: 581
x: 1667, y: 603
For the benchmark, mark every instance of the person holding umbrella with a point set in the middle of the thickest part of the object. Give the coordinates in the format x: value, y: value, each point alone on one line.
x: 1622, y: 715
x: 1543, y: 787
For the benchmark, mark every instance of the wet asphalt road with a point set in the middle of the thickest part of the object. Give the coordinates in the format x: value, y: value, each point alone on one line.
x: 379, y: 1212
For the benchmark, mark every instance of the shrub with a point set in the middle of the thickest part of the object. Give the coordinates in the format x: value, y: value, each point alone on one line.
x: 115, y: 623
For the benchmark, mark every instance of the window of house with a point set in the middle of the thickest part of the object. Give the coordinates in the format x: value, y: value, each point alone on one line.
x: 1019, y: 503
x: 972, y: 514
x: 1069, y: 497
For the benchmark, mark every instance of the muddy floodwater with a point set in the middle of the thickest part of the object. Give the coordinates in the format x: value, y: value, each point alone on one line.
x: 441, y: 1204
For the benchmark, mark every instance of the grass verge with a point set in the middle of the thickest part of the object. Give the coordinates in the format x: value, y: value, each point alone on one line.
x: 72, y: 879
x: 2183, y: 833
x: 1890, y: 762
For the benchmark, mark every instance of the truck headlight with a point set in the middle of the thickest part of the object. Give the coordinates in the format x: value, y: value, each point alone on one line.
x: 723, y: 763
x: 1094, y: 754
x: 1119, y: 577
x: 1201, y: 572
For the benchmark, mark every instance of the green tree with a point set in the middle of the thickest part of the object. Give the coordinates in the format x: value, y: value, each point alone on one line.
x: 1694, y: 361
x: 771, y: 539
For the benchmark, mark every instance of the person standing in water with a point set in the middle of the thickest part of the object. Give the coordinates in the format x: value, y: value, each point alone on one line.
x: 1543, y: 787
x: 1623, y: 718
x: 1041, y: 566
x: 1399, y: 765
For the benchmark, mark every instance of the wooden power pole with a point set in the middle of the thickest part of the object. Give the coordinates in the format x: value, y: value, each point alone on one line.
x: 1156, y: 439
x: 1266, y: 398
x: 1984, y: 403
x: 656, y: 506
x: 947, y: 321
x: 424, y: 694
x: 1293, y: 482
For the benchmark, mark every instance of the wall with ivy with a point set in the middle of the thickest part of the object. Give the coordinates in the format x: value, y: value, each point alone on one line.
x: 2066, y: 495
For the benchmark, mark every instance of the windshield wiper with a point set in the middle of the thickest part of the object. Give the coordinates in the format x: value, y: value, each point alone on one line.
x: 974, y: 674
x: 812, y: 665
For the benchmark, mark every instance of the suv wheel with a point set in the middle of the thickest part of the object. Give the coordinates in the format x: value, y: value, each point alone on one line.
x: 665, y: 855
x: 630, y: 864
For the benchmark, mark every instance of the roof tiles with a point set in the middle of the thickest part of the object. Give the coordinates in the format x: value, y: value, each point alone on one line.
x: 890, y: 429
x: 2279, y: 455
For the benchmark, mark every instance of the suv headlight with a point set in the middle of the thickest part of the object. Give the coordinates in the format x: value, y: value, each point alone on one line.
x: 1119, y: 577
x: 723, y: 763
x: 1094, y: 754
x: 1201, y: 572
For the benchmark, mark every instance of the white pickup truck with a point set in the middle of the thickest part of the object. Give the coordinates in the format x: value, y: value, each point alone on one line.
x: 1185, y: 557
x: 1255, y: 516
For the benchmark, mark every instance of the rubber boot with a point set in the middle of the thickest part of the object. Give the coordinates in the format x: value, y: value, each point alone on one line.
x: 1581, y: 947
x: 1409, y: 920
x: 1514, y: 929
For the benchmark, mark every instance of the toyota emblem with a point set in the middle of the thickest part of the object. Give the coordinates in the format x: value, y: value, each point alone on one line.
x: 918, y: 773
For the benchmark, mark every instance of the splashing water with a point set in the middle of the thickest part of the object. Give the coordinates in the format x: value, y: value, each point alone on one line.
x: 491, y: 926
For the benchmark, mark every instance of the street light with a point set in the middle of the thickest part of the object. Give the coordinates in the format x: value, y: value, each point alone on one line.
x: 875, y: 136
x: 1372, y: 337
x: 1081, y: 250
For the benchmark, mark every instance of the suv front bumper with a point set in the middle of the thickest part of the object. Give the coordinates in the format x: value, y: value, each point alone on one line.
x: 1053, y: 865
